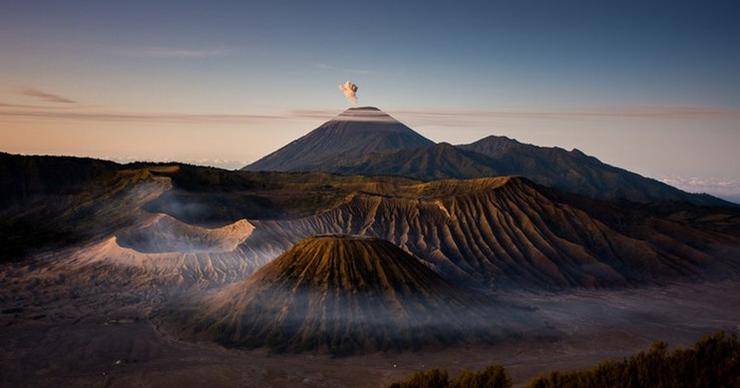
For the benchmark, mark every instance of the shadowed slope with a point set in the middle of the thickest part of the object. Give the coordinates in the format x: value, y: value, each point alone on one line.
x: 66, y: 216
x: 571, y: 171
x: 440, y: 161
x: 341, y: 294
x: 24, y: 178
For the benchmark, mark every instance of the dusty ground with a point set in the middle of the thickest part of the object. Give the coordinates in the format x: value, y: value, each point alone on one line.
x: 53, y: 338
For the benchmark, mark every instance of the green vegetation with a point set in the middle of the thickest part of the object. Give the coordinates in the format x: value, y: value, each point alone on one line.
x: 714, y: 361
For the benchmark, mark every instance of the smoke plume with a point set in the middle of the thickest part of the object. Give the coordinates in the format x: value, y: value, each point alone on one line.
x: 350, y: 91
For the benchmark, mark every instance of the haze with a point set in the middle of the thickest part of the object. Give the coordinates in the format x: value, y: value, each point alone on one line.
x: 653, y: 88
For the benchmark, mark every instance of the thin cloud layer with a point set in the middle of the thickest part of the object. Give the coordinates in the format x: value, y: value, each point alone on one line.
x: 137, y: 117
x: 439, y: 118
x: 726, y: 188
x: 676, y: 112
x: 25, y: 106
x: 45, y: 96
x: 324, y: 66
x: 174, y: 52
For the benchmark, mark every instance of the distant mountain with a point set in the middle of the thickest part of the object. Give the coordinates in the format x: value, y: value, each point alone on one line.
x: 577, y: 172
x: 571, y: 171
x: 341, y: 294
x: 352, y: 134
x: 367, y: 141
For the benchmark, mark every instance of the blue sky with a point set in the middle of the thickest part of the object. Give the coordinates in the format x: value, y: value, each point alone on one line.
x: 663, y: 76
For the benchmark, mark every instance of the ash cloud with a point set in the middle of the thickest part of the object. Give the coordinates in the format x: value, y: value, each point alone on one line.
x: 350, y: 91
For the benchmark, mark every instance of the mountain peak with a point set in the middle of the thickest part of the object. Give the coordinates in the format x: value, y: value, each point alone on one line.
x: 498, y: 138
x: 359, y: 108
x: 367, y: 114
x: 351, y: 135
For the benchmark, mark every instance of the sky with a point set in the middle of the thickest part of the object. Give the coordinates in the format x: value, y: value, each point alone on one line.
x: 651, y: 86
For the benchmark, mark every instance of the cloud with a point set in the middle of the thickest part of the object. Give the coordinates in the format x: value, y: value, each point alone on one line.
x: 159, y: 117
x: 45, y: 96
x: 137, y: 117
x: 463, y: 117
x: 477, y: 118
x: 229, y: 164
x: 25, y: 106
x: 679, y: 112
x: 437, y: 118
x: 727, y: 188
x: 323, y: 114
x: 174, y: 52
x: 324, y: 66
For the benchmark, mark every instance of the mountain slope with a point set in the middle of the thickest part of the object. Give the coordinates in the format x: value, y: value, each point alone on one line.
x: 439, y: 161
x: 571, y: 171
x: 350, y: 135
x: 577, y: 172
x: 49, y: 215
x: 367, y: 141
x: 511, y: 233
x: 488, y: 232
x: 24, y: 177
x: 342, y: 294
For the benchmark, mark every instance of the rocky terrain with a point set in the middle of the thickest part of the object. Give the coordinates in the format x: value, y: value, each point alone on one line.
x: 111, y: 272
x: 345, y: 294
x: 189, y: 225
x: 509, y: 232
x: 103, y: 337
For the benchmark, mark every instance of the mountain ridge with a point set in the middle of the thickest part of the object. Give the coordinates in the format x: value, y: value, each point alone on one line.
x: 572, y: 171
x: 492, y: 233
x: 511, y: 232
x: 577, y: 172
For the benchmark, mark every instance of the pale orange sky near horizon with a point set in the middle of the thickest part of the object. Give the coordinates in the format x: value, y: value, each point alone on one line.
x: 645, y: 139
x: 693, y: 148
x: 650, y: 87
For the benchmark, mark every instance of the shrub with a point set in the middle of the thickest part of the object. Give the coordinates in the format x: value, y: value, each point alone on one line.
x: 714, y: 361
x: 433, y: 378
x: 495, y: 376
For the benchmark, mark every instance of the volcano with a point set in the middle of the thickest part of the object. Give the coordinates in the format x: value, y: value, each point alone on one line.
x: 340, y: 294
x: 344, y: 139
x: 366, y: 141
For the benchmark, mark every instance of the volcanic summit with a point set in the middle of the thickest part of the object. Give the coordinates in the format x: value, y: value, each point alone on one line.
x: 344, y: 139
